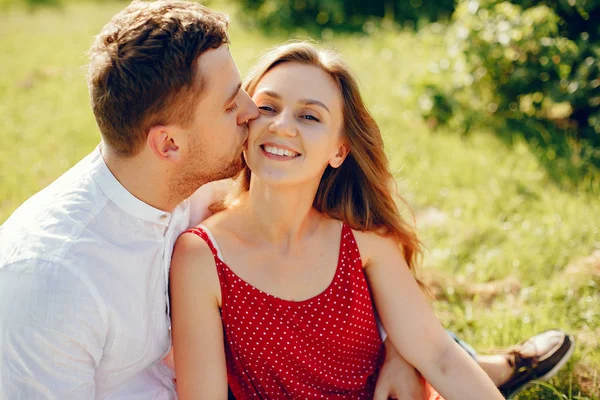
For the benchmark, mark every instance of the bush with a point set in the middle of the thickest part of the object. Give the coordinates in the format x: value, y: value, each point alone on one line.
x: 523, y: 67
x: 314, y: 15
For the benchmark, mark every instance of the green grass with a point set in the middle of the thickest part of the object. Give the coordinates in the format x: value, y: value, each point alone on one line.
x: 510, y: 252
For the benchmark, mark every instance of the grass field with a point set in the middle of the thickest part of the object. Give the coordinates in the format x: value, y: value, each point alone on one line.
x: 510, y: 251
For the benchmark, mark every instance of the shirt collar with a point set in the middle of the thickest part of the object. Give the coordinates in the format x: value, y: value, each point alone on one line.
x: 117, y: 193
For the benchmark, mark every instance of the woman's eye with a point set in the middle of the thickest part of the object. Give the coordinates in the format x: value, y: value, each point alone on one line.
x: 266, y: 108
x: 310, y: 118
x: 233, y: 108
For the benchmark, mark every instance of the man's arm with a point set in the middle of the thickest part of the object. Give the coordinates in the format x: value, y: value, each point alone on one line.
x: 52, y: 333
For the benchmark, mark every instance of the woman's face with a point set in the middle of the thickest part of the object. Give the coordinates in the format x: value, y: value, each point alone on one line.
x: 298, y: 131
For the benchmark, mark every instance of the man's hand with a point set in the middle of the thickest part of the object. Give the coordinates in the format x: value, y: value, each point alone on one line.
x: 398, y: 379
x: 204, y: 197
x: 169, y: 361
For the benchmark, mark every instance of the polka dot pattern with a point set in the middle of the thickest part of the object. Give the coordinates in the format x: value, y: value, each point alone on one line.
x: 326, y: 347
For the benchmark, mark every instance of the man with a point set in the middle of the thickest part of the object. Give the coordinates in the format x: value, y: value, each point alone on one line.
x: 84, y: 263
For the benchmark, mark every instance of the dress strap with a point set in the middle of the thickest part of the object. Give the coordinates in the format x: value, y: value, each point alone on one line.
x: 205, y: 234
x: 213, y: 241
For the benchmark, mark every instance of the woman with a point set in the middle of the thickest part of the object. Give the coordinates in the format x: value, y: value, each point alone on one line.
x: 279, y: 275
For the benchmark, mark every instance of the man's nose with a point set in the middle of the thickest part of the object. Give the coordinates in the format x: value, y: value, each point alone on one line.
x: 250, y: 111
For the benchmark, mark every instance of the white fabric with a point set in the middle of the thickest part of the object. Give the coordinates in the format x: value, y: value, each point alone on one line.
x: 83, y: 291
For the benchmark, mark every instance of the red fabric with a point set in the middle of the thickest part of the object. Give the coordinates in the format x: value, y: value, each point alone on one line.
x: 433, y: 394
x: 324, y: 347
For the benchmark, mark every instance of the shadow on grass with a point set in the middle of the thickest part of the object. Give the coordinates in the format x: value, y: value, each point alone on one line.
x: 569, y: 163
x: 570, y: 384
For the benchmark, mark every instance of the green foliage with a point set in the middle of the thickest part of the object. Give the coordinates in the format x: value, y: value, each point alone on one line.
x: 313, y: 15
x: 531, y: 68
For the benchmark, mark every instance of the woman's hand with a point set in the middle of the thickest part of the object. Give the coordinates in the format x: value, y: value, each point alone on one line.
x: 398, y: 379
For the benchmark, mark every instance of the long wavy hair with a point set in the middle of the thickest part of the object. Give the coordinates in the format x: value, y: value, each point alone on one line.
x: 362, y: 191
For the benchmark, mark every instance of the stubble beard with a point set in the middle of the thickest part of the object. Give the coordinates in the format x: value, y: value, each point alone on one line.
x: 198, y: 172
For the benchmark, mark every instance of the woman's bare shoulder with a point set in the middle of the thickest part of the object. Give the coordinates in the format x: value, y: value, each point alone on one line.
x: 193, y: 266
x: 374, y: 244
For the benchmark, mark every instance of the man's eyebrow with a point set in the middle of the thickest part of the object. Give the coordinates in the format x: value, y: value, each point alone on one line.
x: 234, y: 94
x: 309, y: 102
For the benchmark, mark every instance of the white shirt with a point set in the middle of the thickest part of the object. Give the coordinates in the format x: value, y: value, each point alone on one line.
x: 83, y: 291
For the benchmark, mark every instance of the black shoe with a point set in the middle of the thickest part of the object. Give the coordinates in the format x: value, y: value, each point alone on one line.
x: 539, y: 357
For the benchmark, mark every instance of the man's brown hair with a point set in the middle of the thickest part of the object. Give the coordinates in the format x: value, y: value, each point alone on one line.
x: 142, y: 68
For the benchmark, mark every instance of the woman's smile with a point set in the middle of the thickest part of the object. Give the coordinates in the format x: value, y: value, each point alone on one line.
x: 279, y: 153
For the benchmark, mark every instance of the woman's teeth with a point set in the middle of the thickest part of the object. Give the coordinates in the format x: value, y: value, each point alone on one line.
x: 279, y: 152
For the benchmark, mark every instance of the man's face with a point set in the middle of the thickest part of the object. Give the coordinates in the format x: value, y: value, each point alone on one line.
x: 216, y: 137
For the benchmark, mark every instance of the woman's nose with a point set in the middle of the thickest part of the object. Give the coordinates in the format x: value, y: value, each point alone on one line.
x: 283, y: 125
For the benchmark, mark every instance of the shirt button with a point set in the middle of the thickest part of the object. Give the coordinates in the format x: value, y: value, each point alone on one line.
x: 164, y: 216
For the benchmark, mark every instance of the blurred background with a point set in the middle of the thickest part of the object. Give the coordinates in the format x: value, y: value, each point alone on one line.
x: 491, y: 116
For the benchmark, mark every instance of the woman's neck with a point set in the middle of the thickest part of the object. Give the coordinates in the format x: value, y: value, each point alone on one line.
x: 283, y: 215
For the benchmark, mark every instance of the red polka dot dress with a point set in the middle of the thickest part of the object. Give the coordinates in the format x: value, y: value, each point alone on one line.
x: 326, y: 347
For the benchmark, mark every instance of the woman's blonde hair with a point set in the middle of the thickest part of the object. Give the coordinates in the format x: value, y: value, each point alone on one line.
x: 361, y: 191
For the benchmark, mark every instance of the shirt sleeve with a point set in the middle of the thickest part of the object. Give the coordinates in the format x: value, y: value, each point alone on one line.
x: 382, y: 331
x: 52, y: 332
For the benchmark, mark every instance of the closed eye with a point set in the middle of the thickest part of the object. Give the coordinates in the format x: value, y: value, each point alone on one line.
x: 233, y: 109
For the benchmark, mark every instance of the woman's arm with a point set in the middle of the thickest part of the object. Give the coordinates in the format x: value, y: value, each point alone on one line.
x: 196, y: 322
x: 398, y: 379
x: 413, y: 328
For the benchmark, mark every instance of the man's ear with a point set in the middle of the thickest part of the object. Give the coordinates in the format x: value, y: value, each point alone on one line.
x: 161, y: 140
x: 340, y: 156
